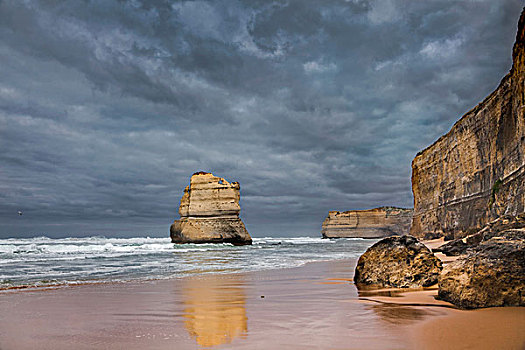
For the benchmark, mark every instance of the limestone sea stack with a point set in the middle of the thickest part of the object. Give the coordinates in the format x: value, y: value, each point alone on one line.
x: 476, y: 172
x: 371, y: 223
x: 209, y: 212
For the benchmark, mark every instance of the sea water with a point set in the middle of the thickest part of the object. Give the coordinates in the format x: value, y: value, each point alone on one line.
x: 44, y: 261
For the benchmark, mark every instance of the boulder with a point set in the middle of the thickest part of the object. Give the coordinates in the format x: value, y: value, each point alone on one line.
x: 491, y: 274
x: 400, y: 262
x: 209, y: 212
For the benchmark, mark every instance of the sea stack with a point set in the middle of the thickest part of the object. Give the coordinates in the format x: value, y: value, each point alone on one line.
x: 371, y: 223
x: 476, y: 172
x: 209, y: 212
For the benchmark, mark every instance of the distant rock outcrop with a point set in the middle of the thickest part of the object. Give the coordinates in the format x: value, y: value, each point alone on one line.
x: 371, y: 223
x: 400, y: 262
x: 491, y: 274
x: 209, y: 213
x: 476, y: 172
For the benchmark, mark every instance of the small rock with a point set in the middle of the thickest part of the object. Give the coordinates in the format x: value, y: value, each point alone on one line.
x: 453, y: 248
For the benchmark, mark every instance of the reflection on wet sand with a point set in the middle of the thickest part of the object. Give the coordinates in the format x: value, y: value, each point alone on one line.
x: 214, y: 309
x: 365, y: 291
x: 399, y: 314
x: 401, y: 306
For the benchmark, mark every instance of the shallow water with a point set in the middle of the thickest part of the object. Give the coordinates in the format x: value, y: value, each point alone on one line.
x: 43, y: 261
x: 311, y: 307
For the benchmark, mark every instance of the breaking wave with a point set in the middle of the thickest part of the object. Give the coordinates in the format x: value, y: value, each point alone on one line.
x: 45, y: 261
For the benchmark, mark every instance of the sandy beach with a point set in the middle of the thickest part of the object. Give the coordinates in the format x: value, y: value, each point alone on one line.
x: 315, y: 306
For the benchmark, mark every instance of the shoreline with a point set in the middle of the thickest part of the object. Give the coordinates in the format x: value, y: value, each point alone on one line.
x: 73, y: 284
x: 312, y: 306
x: 167, y: 261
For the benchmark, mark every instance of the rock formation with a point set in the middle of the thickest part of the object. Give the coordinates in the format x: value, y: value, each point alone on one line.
x: 209, y: 213
x: 400, y: 262
x: 492, y: 274
x: 476, y: 172
x: 371, y: 223
x: 495, y: 228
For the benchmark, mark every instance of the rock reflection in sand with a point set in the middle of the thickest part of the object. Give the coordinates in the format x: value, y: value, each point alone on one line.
x: 398, y: 314
x: 365, y: 291
x: 214, y: 309
x: 401, y: 306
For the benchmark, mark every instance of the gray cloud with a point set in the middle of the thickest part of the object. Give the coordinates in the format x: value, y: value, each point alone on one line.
x: 107, y: 107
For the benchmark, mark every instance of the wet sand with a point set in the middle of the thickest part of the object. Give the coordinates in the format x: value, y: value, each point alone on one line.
x: 312, y: 307
x: 484, y: 329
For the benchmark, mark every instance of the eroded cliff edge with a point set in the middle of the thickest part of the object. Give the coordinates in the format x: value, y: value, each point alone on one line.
x: 476, y: 172
x: 371, y: 223
x: 209, y: 212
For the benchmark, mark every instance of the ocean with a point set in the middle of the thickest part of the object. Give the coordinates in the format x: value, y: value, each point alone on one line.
x: 42, y: 261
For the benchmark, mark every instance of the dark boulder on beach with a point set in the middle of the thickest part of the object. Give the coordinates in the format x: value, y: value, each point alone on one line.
x: 491, y: 274
x: 400, y: 262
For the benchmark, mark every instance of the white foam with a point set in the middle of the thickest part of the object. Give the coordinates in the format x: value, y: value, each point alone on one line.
x: 30, y: 261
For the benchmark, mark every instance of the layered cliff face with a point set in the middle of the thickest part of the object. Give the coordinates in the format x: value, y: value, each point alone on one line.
x: 209, y: 196
x: 476, y: 172
x: 372, y: 223
x: 209, y: 212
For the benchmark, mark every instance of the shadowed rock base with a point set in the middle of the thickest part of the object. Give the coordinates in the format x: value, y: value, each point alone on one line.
x: 210, y: 230
x: 496, y: 228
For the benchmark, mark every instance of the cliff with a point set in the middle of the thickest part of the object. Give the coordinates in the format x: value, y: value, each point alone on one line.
x: 371, y: 223
x: 209, y: 212
x: 476, y: 172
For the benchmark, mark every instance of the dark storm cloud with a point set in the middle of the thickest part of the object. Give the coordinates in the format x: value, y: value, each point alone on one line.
x: 107, y: 107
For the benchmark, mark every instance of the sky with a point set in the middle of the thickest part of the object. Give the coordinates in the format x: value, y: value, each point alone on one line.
x: 107, y: 107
